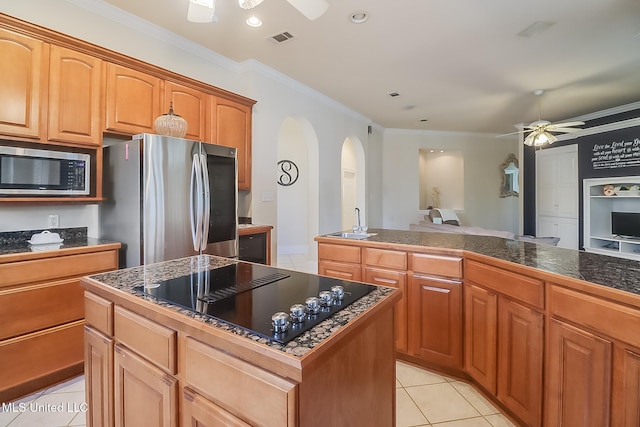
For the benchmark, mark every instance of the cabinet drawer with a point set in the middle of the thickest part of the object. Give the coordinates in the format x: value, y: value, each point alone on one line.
x: 199, y: 411
x: 437, y: 265
x: 22, y: 272
x: 385, y: 258
x: 261, y: 397
x: 393, y: 279
x: 611, y: 319
x: 339, y: 253
x: 340, y: 270
x: 516, y: 286
x: 147, y: 338
x: 29, y: 357
x: 98, y: 312
x: 32, y: 308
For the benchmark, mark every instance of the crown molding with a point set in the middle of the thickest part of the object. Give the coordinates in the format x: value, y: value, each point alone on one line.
x: 163, y: 35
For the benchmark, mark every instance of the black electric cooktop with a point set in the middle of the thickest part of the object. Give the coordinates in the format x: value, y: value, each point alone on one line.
x: 248, y: 295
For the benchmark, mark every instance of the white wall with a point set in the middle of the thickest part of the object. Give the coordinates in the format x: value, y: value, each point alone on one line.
x: 293, y: 200
x: 13, y: 218
x: 483, y: 155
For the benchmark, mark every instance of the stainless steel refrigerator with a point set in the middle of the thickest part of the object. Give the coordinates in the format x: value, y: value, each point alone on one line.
x: 169, y: 198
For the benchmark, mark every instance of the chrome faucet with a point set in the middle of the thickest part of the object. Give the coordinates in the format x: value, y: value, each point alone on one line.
x: 358, y: 226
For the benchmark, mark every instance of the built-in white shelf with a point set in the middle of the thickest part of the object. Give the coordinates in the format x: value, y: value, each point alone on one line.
x: 597, y: 217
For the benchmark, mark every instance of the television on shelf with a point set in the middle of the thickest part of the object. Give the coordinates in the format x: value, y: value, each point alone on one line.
x: 625, y: 224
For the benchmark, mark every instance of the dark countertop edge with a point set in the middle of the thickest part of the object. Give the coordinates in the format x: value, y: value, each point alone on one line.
x: 253, y: 229
x: 297, y: 349
x: 24, y: 253
x: 611, y: 285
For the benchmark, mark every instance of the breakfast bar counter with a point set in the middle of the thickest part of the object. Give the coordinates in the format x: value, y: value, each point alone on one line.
x: 550, y: 335
x: 149, y: 361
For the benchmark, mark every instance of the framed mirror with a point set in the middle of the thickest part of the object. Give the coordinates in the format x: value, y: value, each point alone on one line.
x: 510, y: 177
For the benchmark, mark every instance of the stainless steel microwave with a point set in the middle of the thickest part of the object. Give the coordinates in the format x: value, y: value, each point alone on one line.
x: 33, y: 172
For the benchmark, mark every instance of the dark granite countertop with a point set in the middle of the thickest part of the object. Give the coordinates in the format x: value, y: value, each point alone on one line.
x: 617, y: 273
x: 16, y: 242
x: 127, y: 279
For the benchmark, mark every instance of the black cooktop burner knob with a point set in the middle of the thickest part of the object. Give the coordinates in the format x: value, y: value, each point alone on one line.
x: 326, y: 298
x: 280, y: 322
x: 313, y: 305
x: 297, y: 312
x: 337, y: 292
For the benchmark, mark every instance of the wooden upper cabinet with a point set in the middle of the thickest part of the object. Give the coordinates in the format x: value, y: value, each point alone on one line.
x: 232, y: 124
x: 191, y: 105
x: 22, y: 85
x: 75, y: 82
x: 133, y: 100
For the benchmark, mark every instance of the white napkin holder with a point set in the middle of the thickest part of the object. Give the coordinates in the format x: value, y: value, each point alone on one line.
x: 45, y: 238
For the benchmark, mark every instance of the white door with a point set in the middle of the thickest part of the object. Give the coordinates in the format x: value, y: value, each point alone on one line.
x: 557, y: 194
x: 348, y: 198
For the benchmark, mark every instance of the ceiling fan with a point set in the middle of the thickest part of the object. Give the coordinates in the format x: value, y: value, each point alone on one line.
x: 203, y: 11
x: 540, y: 131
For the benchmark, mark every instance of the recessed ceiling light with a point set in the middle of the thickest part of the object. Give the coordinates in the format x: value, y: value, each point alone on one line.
x: 424, y: 120
x: 359, y: 17
x: 393, y: 94
x: 254, y: 21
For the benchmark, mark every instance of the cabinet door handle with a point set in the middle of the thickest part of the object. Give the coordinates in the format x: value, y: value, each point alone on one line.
x: 431, y: 288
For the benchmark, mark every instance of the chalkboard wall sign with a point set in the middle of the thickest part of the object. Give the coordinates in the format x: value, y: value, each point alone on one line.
x: 615, y: 153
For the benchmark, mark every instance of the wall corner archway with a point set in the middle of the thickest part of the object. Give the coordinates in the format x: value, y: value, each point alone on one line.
x: 352, y: 182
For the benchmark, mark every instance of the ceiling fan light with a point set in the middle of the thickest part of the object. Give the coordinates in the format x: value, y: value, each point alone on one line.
x: 206, y: 3
x: 201, y: 14
x: 311, y: 9
x: 249, y: 4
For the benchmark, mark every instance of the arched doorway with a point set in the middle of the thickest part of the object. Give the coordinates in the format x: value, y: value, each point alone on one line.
x: 298, y: 205
x: 352, y: 182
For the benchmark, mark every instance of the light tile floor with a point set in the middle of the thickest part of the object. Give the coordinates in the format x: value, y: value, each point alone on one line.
x: 297, y: 262
x: 423, y: 398
x: 61, y: 405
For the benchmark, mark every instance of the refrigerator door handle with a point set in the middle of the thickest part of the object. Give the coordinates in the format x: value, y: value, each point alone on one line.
x: 206, y: 208
x: 195, y: 208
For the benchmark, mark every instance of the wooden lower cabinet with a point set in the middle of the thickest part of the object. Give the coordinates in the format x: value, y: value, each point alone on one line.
x: 520, y: 360
x: 144, y: 395
x: 578, y: 377
x: 481, y: 336
x: 98, y: 368
x: 435, y: 320
x: 626, y: 387
x: 200, y: 412
x: 504, y: 343
x: 395, y: 279
x: 42, y: 313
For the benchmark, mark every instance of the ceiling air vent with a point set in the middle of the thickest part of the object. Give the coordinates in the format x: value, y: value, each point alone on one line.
x: 282, y: 37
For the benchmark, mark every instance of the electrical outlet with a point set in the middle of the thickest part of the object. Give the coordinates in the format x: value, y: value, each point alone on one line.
x: 54, y: 221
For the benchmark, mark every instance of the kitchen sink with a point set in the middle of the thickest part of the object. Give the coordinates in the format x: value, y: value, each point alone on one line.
x: 351, y: 235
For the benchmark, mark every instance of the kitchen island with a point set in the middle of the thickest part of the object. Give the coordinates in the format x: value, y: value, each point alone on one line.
x: 152, y: 362
x: 551, y: 335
